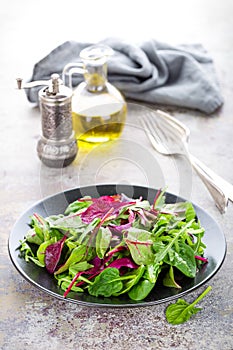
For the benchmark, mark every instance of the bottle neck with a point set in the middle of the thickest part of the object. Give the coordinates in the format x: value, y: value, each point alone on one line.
x: 95, y: 77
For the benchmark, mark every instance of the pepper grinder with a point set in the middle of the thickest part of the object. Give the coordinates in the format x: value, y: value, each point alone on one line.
x: 57, y: 146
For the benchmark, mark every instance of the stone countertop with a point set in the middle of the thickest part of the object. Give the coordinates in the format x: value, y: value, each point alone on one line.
x: 31, y: 319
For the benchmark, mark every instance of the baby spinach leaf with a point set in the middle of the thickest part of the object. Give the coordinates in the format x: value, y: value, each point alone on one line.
x: 181, y: 311
x: 106, y: 283
x: 141, y: 290
x: 169, y: 279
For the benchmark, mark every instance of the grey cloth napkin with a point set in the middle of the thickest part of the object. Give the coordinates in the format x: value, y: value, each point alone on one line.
x: 152, y: 72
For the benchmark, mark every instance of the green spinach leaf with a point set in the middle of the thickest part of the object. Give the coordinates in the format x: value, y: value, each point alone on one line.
x: 106, y: 283
x: 141, y: 290
x: 181, y: 311
x: 169, y: 279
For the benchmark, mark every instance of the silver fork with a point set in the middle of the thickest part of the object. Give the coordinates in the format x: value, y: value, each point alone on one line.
x: 169, y: 137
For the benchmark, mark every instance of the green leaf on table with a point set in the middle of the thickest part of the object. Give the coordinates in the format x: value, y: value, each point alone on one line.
x: 181, y: 311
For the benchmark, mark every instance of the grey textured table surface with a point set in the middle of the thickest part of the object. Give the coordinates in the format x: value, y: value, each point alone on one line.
x: 30, y: 319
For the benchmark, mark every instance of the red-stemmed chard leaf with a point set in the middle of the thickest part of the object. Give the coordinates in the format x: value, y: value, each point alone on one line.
x: 123, y: 262
x: 53, y: 254
x: 99, y: 266
x: 125, y: 226
x: 101, y: 206
x: 201, y: 258
x: 93, y: 271
x: 116, y: 250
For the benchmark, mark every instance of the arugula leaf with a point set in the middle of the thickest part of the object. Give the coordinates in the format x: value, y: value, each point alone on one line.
x: 190, y: 213
x: 181, y: 311
x: 163, y: 252
x: 28, y: 254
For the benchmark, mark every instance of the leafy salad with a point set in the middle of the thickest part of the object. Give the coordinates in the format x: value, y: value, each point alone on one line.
x: 115, y: 245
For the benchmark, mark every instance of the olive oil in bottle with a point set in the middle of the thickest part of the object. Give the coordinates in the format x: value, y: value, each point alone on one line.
x: 98, y: 108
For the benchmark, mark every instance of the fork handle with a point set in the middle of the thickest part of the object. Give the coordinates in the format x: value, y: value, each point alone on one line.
x: 213, y: 183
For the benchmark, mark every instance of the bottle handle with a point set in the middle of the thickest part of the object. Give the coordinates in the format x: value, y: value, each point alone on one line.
x: 69, y: 70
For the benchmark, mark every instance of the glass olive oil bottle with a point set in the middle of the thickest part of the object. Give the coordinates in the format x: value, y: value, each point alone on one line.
x: 98, y: 108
